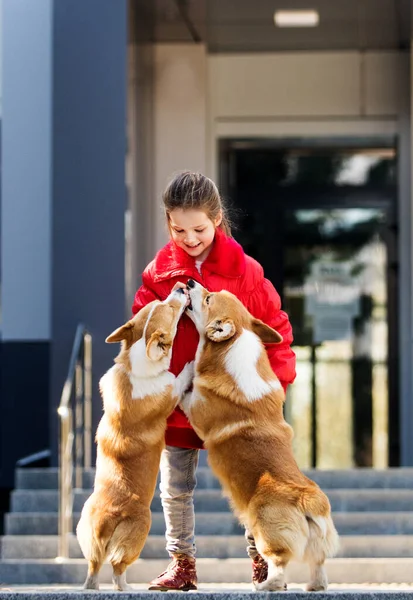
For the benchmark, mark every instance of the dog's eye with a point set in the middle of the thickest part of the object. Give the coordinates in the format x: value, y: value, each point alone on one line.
x: 207, y: 299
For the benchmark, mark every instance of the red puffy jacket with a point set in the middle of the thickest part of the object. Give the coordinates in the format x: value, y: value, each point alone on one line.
x: 226, y: 267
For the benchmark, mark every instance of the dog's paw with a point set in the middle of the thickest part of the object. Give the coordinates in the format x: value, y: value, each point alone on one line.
x: 91, y: 583
x: 183, y: 382
x: 271, y: 586
x: 187, y: 375
x: 185, y: 403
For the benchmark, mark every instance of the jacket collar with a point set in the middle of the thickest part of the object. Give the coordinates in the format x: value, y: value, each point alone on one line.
x: 226, y: 258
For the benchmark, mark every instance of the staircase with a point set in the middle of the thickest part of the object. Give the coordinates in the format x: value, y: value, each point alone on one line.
x: 372, y: 510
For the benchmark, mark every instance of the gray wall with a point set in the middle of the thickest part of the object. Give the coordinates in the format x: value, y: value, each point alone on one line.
x: 26, y: 206
x: 63, y: 205
x: 88, y: 187
x: 26, y: 170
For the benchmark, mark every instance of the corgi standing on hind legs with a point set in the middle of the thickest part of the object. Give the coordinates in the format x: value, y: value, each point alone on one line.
x: 139, y: 393
x: 236, y: 407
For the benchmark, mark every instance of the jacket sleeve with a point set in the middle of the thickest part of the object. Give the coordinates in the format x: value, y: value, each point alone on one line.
x: 143, y: 296
x: 265, y: 304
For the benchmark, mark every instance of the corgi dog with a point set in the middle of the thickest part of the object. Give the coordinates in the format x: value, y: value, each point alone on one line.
x: 139, y: 393
x: 236, y: 407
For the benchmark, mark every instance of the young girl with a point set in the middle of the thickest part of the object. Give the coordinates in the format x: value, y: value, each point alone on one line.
x: 201, y: 248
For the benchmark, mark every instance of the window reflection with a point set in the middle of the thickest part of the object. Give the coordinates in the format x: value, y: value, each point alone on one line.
x: 340, y: 167
x: 335, y: 294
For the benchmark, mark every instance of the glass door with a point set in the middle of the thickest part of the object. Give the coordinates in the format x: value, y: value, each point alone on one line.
x: 335, y: 291
x: 323, y: 223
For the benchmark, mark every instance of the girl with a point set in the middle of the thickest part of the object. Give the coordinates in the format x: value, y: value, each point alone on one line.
x: 201, y: 248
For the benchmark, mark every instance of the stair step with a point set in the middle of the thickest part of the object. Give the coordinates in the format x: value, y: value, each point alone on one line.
x: 208, y: 500
x: 223, y: 523
x: 210, y: 570
x: 210, y: 546
x: 396, y: 478
x: 46, y: 524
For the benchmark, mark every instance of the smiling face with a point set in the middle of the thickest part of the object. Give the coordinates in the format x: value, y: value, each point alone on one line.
x: 193, y: 231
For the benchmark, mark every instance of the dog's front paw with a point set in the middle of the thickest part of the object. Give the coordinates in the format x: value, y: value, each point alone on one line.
x: 186, y: 376
x: 184, y: 381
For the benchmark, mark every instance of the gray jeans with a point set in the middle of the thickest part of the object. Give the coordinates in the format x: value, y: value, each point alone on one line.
x: 178, y: 482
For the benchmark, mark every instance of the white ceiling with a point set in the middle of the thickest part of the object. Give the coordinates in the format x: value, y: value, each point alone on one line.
x: 248, y: 26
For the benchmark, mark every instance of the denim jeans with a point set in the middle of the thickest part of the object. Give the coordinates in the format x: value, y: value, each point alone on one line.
x: 178, y: 482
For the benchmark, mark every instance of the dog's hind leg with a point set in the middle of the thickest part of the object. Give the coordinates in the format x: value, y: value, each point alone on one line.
x: 119, y: 577
x: 277, y: 563
x: 318, y: 578
x: 280, y: 534
x: 127, y: 543
x: 277, y: 554
x: 92, y: 579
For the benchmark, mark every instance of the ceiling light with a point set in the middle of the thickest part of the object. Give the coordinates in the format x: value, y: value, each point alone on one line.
x: 296, y: 18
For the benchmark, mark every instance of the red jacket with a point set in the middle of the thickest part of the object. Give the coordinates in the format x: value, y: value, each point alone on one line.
x: 226, y: 267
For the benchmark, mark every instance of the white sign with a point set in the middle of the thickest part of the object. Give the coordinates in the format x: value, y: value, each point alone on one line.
x: 332, y: 298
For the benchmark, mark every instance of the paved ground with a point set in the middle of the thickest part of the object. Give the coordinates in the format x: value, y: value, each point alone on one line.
x: 219, y: 588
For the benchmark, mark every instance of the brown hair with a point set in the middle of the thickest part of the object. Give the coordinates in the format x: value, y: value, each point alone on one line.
x: 194, y: 190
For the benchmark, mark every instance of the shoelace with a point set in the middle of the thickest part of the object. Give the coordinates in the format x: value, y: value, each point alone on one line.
x: 181, y: 564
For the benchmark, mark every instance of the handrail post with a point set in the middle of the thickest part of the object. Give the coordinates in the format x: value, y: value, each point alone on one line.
x: 79, y: 425
x: 65, y: 482
x: 87, y: 341
x: 75, y: 432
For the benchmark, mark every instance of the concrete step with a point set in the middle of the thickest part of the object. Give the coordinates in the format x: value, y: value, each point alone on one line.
x: 210, y: 500
x: 46, y: 524
x: 396, y: 478
x: 210, y: 546
x: 210, y: 570
x: 224, y: 523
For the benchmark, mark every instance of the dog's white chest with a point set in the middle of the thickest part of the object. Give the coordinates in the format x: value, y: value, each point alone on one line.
x: 150, y: 386
x: 241, y: 364
x: 148, y: 378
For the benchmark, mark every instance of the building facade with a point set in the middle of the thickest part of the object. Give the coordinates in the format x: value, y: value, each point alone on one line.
x: 307, y: 132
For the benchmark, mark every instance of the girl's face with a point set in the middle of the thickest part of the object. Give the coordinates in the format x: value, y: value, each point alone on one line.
x: 193, y: 231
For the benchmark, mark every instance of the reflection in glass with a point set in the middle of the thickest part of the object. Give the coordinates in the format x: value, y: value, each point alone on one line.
x: 288, y: 167
x: 335, y: 294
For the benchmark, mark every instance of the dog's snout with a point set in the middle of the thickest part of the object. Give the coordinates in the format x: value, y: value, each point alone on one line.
x: 190, y: 283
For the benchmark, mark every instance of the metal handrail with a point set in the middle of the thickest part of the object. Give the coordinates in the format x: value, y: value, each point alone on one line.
x: 75, y: 444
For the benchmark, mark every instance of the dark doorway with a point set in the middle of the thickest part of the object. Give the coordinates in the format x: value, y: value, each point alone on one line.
x: 322, y: 222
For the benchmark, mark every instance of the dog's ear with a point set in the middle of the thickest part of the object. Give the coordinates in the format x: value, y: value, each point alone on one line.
x: 121, y: 333
x: 265, y: 332
x: 219, y: 331
x: 158, y: 345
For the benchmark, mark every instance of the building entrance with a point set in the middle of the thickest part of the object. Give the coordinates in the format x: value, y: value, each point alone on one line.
x: 322, y: 222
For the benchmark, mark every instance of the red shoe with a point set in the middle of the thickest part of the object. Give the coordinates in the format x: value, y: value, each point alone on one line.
x: 180, y: 575
x: 259, y: 569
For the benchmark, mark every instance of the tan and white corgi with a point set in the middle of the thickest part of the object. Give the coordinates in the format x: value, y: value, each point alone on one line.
x: 236, y: 407
x: 139, y: 393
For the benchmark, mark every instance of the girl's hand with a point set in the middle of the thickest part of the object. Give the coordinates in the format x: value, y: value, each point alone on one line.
x: 178, y: 285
